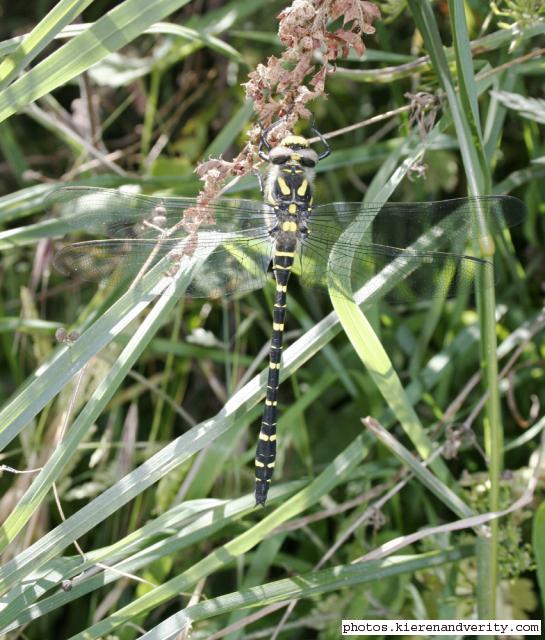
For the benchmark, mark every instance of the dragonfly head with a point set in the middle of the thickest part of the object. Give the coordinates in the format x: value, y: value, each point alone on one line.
x: 293, y: 150
x: 290, y: 145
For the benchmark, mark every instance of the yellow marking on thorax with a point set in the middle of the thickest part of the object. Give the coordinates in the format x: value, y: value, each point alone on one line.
x: 303, y: 188
x: 289, y: 226
x: 284, y: 188
x: 292, y: 208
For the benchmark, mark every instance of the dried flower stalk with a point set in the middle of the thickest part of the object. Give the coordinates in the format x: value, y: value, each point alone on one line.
x: 285, y: 85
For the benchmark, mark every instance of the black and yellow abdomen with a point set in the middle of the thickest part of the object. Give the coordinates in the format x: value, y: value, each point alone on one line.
x: 266, y: 446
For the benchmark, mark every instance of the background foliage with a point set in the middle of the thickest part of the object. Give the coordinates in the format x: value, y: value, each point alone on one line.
x: 144, y: 426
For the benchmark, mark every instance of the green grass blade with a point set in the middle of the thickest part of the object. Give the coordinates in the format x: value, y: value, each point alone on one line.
x: 62, y: 368
x: 438, y: 488
x: 304, y: 586
x: 472, y: 150
x: 111, y: 32
x: 68, y: 360
x: 375, y: 359
x: 487, y: 549
x: 425, y: 21
x: 337, y: 472
x: 188, y: 524
x: 62, y: 14
x: 368, y: 346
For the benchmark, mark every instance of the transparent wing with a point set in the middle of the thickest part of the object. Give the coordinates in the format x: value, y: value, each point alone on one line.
x: 116, y: 214
x: 146, y: 229
x: 399, y: 224
x: 416, y: 247
x: 235, y: 264
x: 400, y: 275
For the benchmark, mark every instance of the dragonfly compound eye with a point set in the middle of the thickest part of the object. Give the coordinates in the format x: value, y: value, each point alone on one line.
x: 307, y: 162
x: 279, y: 159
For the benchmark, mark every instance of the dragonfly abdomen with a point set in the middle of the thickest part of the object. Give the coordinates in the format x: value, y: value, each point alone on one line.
x: 265, y: 456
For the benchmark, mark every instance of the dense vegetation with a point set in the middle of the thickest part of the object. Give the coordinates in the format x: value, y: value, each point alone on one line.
x: 127, y: 447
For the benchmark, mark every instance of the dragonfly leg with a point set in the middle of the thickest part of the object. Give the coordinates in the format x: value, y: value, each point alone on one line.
x: 327, y: 151
x: 263, y: 142
x: 260, y: 182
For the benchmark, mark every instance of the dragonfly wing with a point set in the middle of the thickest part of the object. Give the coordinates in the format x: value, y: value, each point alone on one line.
x: 398, y: 250
x: 143, y: 230
x: 398, y: 275
x: 237, y: 265
x: 117, y: 214
x: 400, y: 224
x: 231, y: 263
x: 418, y: 246
x: 94, y: 260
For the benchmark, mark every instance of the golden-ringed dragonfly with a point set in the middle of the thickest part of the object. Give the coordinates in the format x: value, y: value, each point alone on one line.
x: 404, y: 252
